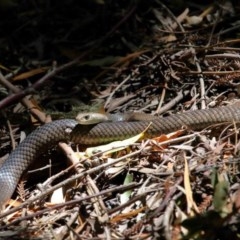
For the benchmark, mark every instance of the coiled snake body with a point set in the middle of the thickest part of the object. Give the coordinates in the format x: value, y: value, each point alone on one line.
x: 60, y: 130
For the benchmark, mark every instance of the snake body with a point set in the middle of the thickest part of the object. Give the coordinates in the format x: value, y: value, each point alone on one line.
x: 67, y: 129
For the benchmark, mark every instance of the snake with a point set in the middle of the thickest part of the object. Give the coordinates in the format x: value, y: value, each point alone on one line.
x: 69, y: 130
x: 95, y: 117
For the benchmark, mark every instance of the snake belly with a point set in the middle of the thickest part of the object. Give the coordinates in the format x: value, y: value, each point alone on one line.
x: 49, y: 134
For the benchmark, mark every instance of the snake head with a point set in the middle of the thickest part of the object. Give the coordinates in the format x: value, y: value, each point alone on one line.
x: 91, y: 118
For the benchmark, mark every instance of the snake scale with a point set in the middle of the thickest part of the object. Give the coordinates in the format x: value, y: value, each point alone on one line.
x: 61, y: 130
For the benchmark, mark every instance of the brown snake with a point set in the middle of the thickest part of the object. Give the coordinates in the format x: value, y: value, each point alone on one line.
x: 49, y: 134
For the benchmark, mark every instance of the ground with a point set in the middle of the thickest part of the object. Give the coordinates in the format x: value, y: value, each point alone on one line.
x: 59, y: 58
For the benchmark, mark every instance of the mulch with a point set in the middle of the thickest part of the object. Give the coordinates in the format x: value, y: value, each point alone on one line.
x: 160, y: 58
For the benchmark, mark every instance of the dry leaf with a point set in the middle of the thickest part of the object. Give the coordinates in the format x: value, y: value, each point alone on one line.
x: 57, y: 196
x: 30, y: 73
x: 188, y: 191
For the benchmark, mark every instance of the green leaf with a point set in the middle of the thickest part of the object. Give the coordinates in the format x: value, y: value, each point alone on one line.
x: 214, y: 177
x: 220, y: 196
x: 124, y: 197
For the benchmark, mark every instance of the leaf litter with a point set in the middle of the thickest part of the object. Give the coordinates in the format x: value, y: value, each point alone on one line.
x: 183, y: 185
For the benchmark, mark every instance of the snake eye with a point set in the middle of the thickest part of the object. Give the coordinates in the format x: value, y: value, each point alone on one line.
x: 87, y: 117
